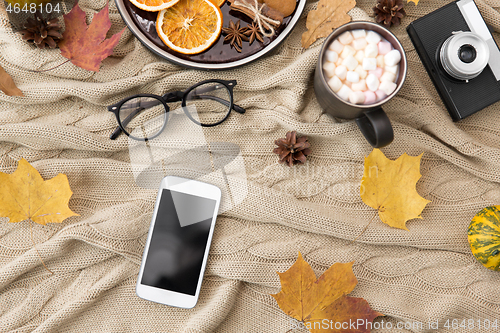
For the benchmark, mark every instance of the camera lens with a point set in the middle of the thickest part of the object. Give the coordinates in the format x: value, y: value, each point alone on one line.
x: 464, y: 55
x: 467, y: 53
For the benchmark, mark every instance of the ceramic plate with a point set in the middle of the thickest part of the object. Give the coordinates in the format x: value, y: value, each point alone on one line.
x: 221, y: 55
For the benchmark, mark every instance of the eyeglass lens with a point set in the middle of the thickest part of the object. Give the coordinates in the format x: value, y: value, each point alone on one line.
x: 143, y: 117
x: 209, y: 103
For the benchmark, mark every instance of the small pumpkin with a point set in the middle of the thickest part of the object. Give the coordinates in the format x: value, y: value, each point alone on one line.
x: 484, y: 237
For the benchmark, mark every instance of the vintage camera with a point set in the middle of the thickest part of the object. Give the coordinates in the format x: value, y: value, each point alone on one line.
x: 460, y: 55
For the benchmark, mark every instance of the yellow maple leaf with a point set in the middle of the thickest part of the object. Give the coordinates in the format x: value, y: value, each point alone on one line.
x: 322, y: 303
x: 415, y: 1
x: 390, y: 187
x: 24, y: 195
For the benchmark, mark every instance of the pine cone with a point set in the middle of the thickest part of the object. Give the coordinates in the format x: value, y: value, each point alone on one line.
x: 42, y: 32
x: 389, y: 12
x: 292, y: 150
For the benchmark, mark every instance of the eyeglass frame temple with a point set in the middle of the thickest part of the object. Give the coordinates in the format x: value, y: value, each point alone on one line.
x: 231, y: 84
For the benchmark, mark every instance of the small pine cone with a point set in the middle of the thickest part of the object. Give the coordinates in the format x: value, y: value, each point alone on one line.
x: 292, y: 150
x: 42, y: 32
x: 389, y: 12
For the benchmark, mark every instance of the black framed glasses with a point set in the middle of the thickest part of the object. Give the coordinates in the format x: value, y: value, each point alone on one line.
x: 144, y: 116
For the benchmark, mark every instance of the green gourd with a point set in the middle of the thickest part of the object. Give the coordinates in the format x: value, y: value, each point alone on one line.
x: 484, y: 237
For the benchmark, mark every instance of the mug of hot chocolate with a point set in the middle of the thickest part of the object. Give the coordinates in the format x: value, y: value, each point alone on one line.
x: 361, y: 66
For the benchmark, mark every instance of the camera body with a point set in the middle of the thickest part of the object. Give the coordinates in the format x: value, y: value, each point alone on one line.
x: 460, y: 55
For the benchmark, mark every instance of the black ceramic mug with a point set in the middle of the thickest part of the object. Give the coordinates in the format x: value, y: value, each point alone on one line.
x: 371, y: 119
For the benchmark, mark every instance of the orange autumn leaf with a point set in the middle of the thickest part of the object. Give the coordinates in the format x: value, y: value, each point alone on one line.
x: 24, y: 195
x: 414, y: 1
x: 7, y: 85
x: 87, y: 46
x: 323, y: 303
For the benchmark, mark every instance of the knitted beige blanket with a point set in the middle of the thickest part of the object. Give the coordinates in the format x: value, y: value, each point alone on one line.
x: 424, y: 275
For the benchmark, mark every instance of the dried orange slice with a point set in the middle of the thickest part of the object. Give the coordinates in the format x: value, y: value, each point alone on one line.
x: 153, y: 5
x: 218, y: 2
x: 190, y: 26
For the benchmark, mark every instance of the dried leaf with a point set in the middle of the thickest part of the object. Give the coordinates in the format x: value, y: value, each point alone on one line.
x: 390, y: 187
x: 315, y: 302
x: 25, y: 195
x: 414, y: 1
x: 87, y: 46
x: 7, y: 85
x: 329, y: 15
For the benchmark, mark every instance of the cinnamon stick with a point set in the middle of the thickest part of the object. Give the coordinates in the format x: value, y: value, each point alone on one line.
x: 266, y: 10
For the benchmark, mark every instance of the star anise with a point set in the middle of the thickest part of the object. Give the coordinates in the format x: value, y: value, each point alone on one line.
x: 235, y: 35
x: 292, y: 150
x: 253, y: 32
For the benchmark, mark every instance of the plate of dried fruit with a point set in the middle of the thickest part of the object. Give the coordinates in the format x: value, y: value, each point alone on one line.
x: 211, y: 34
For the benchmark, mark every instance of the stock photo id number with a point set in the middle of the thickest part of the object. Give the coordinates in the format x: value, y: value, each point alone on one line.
x: 21, y: 11
x: 33, y: 7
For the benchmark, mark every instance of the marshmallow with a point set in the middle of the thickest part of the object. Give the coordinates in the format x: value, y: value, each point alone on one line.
x: 346, y: 38
x: 372, y: 82
x: 388, y: 77
x: 348, y: 51
x: 371, y: 51
x: 362, y: 73
x: 329, y: 69
x: 352, y: 77
x: 336, y: 46
x: 360, y: 55
x: 380, y: 95
x: 392, y: 69
x: 380, y: 61
x: 331, y: 56
x: 359, y: 44
x: 344, y: 92
x: 359, y: 86
x: 378, y: 72
x: 369, y: 64
x: 384, y: 48
x: 358, y: 33
x: 341, y: 72
x: 372, y: 37
x: 388, y: 87
x: 350, y: 62
x: 392, y: 58
x: 357, y: 97
x: 335, y: 84
x: 361, y: 67
x: 370, y: 97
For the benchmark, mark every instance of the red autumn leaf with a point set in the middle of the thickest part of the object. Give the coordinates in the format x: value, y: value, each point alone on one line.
x: 87, y: 46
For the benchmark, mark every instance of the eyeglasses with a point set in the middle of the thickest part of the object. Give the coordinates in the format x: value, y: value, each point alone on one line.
x: 144, y: 116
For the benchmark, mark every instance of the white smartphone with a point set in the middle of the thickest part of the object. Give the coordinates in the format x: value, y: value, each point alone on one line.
x: 178, y: 242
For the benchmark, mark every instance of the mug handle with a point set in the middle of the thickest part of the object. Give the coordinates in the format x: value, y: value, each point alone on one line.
x: 376, y: 127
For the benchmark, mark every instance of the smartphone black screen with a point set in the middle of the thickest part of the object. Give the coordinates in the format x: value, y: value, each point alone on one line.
x: 178, y: 242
